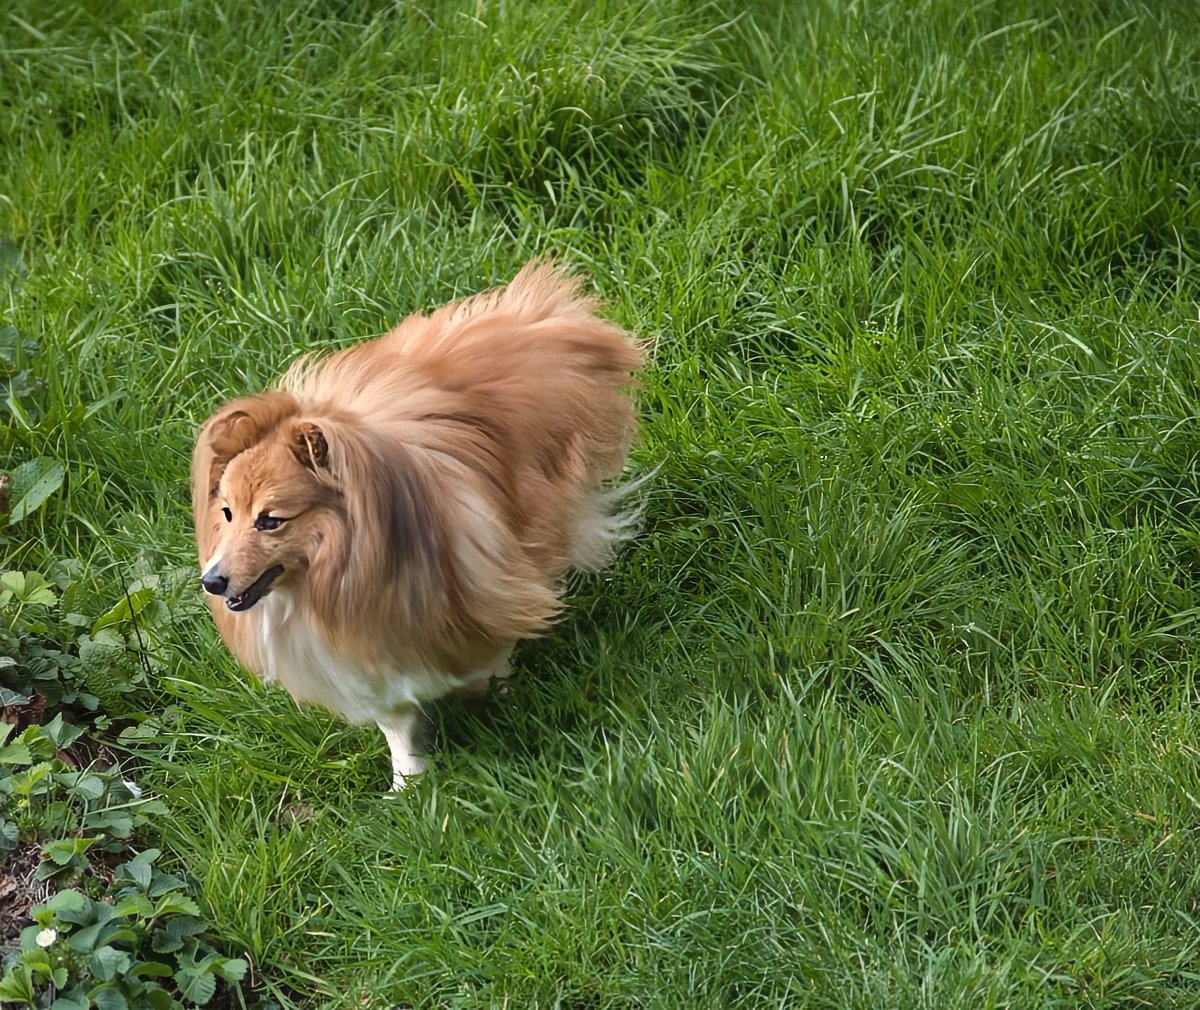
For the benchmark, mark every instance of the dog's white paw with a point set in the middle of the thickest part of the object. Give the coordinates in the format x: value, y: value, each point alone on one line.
x: 404, y: 771
x: 399, y: 730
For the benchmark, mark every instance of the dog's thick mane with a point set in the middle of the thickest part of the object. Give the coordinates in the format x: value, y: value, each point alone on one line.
x: 462, y: 452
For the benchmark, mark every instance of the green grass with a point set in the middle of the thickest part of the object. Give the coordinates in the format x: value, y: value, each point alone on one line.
x: 894, y: 702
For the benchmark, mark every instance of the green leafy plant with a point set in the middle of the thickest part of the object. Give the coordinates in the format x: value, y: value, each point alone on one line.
x: 45, y: 797
x: 32, y: 630
x: 127, y: 935
x: 31, y: 486
x: 122, y: 648
x: 49, y: 649
x: 119, y: 933
x: 143, y: 947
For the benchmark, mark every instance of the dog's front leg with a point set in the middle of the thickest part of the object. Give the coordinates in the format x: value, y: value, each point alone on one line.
x: 399, y: 730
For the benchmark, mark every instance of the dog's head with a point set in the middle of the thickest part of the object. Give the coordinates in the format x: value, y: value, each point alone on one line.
x: 265, y: 497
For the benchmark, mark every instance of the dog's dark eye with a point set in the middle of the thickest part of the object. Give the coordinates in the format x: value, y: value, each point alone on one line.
x: 228, y: 513
x: 267, y: 523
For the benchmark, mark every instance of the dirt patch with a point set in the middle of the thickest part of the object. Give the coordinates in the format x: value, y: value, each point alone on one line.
x: 19, y: 891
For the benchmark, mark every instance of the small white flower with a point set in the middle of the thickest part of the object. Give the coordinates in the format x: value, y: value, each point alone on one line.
x: 46, y: 937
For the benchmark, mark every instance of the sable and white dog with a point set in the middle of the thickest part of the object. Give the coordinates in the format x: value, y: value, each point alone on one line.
x: 380, y: 529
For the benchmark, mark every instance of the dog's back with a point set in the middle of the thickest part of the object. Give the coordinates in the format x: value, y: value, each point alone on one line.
x: 523, y: 385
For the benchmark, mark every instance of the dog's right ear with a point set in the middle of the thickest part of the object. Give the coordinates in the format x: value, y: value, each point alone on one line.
x: 235, y: 428
x: 231, y: 433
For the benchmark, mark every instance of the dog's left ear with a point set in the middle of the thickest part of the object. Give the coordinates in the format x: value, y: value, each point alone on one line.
x: 309, y: 447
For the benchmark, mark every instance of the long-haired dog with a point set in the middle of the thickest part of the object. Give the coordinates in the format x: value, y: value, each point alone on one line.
x: 380, y: 529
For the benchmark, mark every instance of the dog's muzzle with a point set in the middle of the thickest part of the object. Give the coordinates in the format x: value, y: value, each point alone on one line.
x: 218, y: 585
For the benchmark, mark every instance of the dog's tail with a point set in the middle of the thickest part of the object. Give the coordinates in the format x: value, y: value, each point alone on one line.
x: 604, y: 520
x: 540, y: 290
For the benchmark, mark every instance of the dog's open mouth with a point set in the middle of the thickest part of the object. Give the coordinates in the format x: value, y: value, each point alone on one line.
x: 255, y: 591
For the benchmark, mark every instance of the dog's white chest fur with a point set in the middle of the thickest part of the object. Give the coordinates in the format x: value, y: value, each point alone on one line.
x: 297, y: 655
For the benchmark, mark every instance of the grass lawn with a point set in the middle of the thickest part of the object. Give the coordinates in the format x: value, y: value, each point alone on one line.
x: 894, y: 702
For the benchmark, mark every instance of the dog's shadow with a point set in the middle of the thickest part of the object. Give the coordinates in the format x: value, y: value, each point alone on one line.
x: 564, y: 687
x: 556, y: 688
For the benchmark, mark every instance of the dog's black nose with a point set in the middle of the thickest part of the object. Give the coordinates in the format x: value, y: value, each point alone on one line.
x: 214, y: 582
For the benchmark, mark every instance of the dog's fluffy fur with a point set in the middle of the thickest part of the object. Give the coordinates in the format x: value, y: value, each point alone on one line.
x: 380, y: 529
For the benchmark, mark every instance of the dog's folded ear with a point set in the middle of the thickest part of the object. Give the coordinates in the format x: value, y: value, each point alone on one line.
x: 239, y: 425
x: 231, y: 433
x: 308, y: 445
